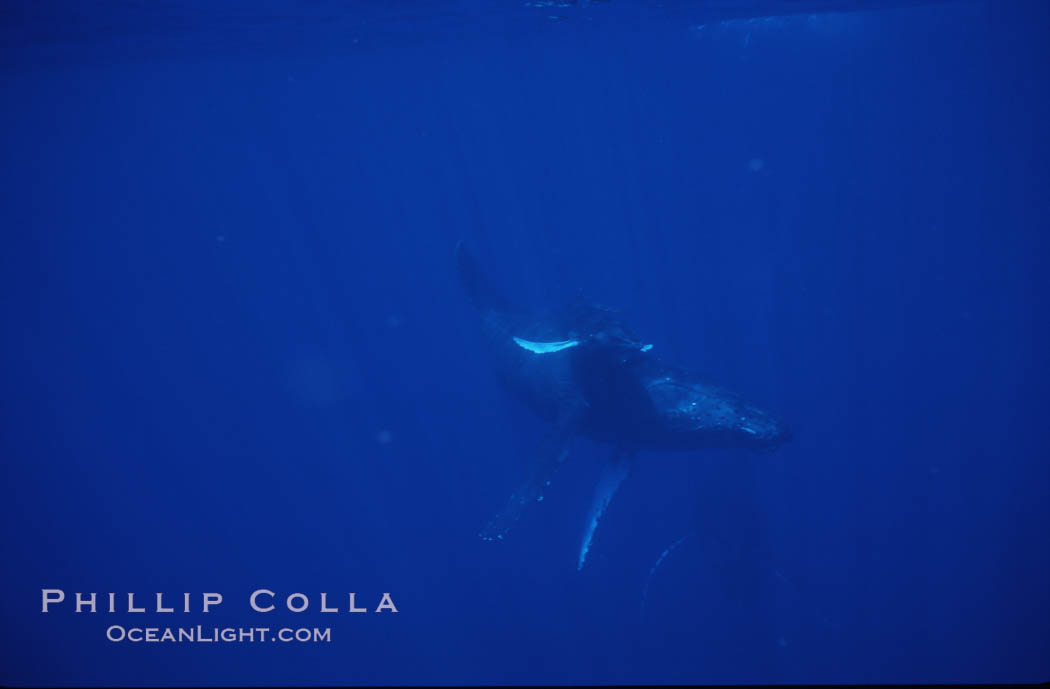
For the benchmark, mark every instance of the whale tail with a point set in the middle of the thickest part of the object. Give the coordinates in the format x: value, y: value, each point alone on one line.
x: 476, y: 283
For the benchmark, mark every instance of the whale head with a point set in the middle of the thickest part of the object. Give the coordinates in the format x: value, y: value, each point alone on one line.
x: 758, y: 429
x: 695, y: 415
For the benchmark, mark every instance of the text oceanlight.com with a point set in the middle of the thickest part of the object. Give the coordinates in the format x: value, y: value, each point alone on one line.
x: 202, y: 634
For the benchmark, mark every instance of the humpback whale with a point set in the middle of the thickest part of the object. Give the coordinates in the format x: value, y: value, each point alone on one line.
x: 585, y: 371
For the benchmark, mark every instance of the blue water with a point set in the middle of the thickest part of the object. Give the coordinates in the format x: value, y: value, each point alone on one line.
x: 236, y: 354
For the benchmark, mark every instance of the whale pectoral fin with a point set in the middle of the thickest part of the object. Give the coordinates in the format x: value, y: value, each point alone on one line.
x: 545, y: 347
x: 548, y: 458
x: 613, y: 474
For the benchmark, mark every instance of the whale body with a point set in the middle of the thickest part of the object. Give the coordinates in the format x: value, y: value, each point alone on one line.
x: 586, y: 372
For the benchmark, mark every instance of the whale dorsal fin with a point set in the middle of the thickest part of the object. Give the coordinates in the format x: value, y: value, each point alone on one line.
x: 545, y: 347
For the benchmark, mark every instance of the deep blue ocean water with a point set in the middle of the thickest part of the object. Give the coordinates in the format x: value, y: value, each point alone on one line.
x: 236, y: 354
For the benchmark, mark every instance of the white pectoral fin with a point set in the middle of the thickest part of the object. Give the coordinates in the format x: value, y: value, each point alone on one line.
x: 545, y: 347
x: 613, y: 474
x: 548, y: 457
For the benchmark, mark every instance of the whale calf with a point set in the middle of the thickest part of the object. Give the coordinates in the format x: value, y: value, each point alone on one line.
x: 585, y: 371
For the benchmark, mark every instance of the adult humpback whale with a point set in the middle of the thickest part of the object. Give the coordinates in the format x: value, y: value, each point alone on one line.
x: 586, y: 372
